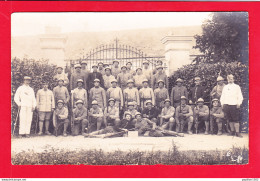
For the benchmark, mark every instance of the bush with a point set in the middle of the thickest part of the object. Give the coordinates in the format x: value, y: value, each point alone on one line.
x: 209, y: 73
x: 99, y: 157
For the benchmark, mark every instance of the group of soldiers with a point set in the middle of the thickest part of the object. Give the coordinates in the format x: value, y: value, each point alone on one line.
x: 109, y: 101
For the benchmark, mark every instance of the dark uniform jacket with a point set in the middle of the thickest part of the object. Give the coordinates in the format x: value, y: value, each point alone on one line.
x: 92, y: 76
x: 196, y: 93
x: 153, y: 113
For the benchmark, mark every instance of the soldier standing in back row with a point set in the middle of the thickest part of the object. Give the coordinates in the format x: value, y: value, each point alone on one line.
x: 101, y: 68
x: 197, y: 92
x: 98, y: 93
x: 160, y: 94
x: 85, y: 71
x: 78, y: 74
x: 138, y: 78
x: 115, y: 70
x: 116, y: 93
x: 61, y: 75
x: 123, y: 77
x: 129, y: 68
x: 217, y: 90
x: 108, y: 78
x: 177, y: 92
x: 61, y: 92
x: 146, y: 93
x: 148, y: 73
x: 160, y: 75
x: 131, y: 93
x: 79, y: 94
x: 94, y: 75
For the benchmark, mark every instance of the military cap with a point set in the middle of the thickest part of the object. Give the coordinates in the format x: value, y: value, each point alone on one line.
x: 94, y: 102
x: 148, y: 102
x: 96, y: 80
x: 60, y: 101
x: 115, y: 61
x: 138, y: 68
x: 128, y: 63
x: 108, y: 68
x: 77, y: 66
x: 167, y: 100
x: 128, y: 113
x: 183, y: 97
x: 130, y: 81
x: 111, y: 99
x: 94, y: 66
x: 59, y: 67
x: 219, y: 78
x: 160, y: 81
x: 146, y: 62
x: 138, y: 113
x: 80, y: 80
x: 159, y: 61
x: 179, y: 80
x: 200, y: 100
x: 130, y: 104
x: 123, y: 67
x: 60, y: 79
x: 100, y: 63
x: 215, y: 100
x: 27, y: 78
x: 79, y: 102
x: 197, y: 78
x: 114, y: 80
x: 159, y: 67
x: 145, y: 80
x: 84, y: 62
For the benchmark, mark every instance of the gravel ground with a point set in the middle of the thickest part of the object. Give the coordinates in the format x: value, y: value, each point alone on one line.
x: 188, y: 142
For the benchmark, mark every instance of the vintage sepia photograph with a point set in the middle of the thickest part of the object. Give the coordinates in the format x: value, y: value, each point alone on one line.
x: 129, y: 88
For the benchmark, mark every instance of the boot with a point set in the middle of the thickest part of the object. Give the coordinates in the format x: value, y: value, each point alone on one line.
x: 232, y: 133
x: 220, y: 128
x: 177, y: 128
x: 189, y: 127
x: 232, y: 127
x: 207, y: 127
x: 40, y: 128
x: 239, y: 135
x: 236, y: 125
x: 181, y: 128
x: 47, y: 123
x: 196, y: 128
x: 211, y: 127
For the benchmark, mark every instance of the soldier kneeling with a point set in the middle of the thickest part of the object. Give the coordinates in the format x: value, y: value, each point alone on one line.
x: 79, y: 116
x: 60, y: 117
x: 201, y: 115
x: 216, y: 116
x: 111, y: 114
x: 167, y: 115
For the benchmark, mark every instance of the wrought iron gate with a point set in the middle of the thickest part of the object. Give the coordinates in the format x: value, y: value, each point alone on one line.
x: 122, y: 53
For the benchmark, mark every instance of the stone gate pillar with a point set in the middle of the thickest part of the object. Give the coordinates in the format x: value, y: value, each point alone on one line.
x: 177, y: 51
x: 52, y: 46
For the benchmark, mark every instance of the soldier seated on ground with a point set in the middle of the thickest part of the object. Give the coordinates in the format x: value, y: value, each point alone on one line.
x: 111, y: 114
x: 216, y: 117
x: 128, y: 122
x: 150, y: 112
x: 167, y: 115
x: 79, y: 118
x: 60, y: 117
x: 184, y: 115
x: 131, y: 109
x: 201, y: 115
x: 96, y: 117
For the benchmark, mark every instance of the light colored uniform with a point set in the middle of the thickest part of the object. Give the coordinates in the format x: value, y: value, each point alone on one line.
x: 160, y: 95
x: 131, y: 95
x: 61, y: 93
x: 112, y: 112
x: 146, y: 94
x: 130, y: 71
x: 115, y: 71
x: 122, y: 79
x: 80, y: 94
x: 138, y: 80
x: 117, y: 94
x: 62, y: 76
x: 98, y: 94
x: 107, y: 81
x: 25, y: 98
x: 45, y: 103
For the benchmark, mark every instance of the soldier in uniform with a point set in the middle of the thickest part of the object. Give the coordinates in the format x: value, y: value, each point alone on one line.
x: 178, y: 91
x: 96, y: 117
x: 131, y: 93
x: 143, y: 124
x: 146, y: 93
x: 123, y: 77
x: 197, y: 92
x: 183, y: 116
x: 201, y: 115
x: 115, y: 70
x: 45, y: 106
x: 78, y: 74
x: 217, y: 90
x: 147, y: 72
x: 111, y: 114
x: 61, y: 75
x: 138, y: 78
x: 160, y: 94
x: 160, y: 75
x: 60, y: 117
x: 94, y: 75
x: 80, y: 94
x: 129, y: 68
x: 99, y: 94
x: 85, y: 71
x: 61, y: 92
x: 158, y: 63
x: 108, y: 78
x: 101, y: 68
x: 150, y: 112
x: 167, y: 115
x: 116, y: 93
x: 79, y: 117
x: 130, y: 109
x: 216, y: 116
x: 128, y: 121
x: 25, y: 99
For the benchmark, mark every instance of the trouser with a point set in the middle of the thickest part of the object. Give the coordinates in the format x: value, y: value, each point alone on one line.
x: 182, y: 121
x: 111, y: 122
x: 128, y: 124
x: 213, y: 121
x: 176, y: 103
x: 25, y: 120
x: 232, y: 115
x: 167, y: 123
x: 95, y: 124
x: 200, y: 121
x: 60, y: 122
x: 80, y: 124
x: 44, y: 116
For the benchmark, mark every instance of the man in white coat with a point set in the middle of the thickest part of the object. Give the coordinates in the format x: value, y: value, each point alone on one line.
x: 25, y: 99
x: 231, y: 100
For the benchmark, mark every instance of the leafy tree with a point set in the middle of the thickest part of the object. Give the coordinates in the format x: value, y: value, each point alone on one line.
x: 224, y: 38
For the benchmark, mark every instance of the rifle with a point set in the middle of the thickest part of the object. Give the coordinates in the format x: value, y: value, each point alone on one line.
x: 71, y: 115
x: 16, y: 120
